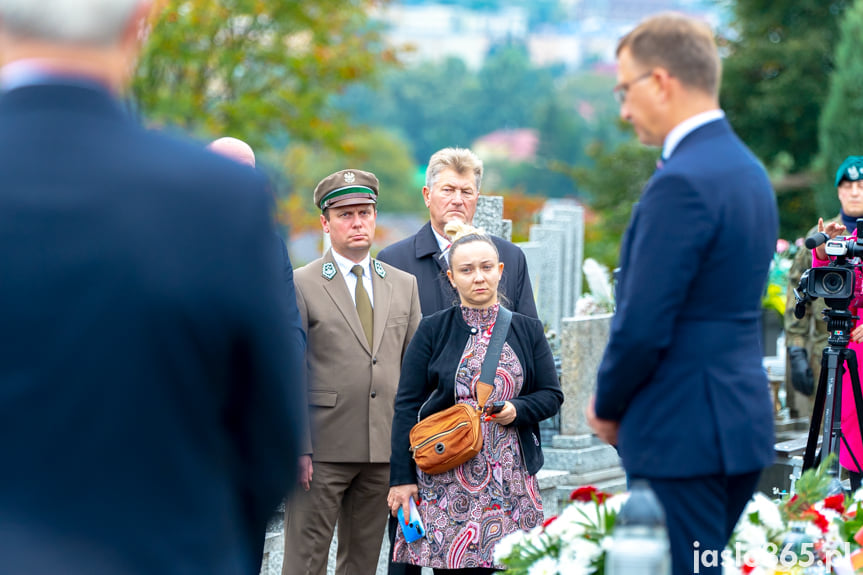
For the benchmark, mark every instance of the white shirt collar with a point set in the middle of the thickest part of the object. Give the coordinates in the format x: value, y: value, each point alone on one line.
x: 442, y: 241
x: 687, y: 126
x: 345, y: 264
x: 36, y: 71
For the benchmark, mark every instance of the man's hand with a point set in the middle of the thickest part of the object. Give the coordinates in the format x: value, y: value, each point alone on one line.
x: 605, y: 429
x: 802, y: 378
x: 304, y: 475
x: 399, y: 496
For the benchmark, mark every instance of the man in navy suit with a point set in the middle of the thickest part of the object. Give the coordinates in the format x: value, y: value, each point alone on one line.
x: 149, y: 371
x: 680, y: 389
x: 451, y: 192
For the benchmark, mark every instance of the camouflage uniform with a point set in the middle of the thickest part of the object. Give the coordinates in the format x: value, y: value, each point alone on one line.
x: 808, y: 332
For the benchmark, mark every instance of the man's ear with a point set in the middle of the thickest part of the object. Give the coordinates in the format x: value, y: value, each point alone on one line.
x: 667, y: 83
x: 138, y: 27
x: 426, y: 194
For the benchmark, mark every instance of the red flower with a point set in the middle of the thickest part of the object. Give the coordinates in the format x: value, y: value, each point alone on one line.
x: 836, y: 503
x: 548, y: 521
x: 747, y: 569
x: 817, y: 518
x: 583, y: 494
x: 588, y: 494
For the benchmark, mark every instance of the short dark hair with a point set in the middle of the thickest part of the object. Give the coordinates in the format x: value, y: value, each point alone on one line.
x: 680, y: 44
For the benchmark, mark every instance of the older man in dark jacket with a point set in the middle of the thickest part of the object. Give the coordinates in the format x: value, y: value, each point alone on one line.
x: 452, y: 187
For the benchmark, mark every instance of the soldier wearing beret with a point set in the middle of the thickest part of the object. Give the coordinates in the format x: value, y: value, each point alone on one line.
x: 806, y: 337
x: 359, y: 315
x: 849, y: 186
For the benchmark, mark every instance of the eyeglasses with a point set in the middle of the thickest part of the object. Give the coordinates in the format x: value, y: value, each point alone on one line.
x: 621, y: 90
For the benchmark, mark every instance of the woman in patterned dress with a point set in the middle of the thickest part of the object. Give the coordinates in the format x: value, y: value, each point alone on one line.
x: 468, y: 509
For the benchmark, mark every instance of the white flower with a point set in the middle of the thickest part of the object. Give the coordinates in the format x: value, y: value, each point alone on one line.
x: 580, y: 553
x: 615, y: 502
x: 589, y: 305
x: 761, y: 557
x: 506, y: 545
x: 768, y: 512
x: 751, y: 536
x: 572, y: 520
x: 545, y: 566
x: 566, y: 526
x: 598, y: 280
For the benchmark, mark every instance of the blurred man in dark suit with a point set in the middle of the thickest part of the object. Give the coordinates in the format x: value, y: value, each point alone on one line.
x: 149, y: 372
x: 242, y: 153
x: 681, y: 390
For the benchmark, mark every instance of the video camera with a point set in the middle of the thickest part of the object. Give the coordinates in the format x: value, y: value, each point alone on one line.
x: 835, y: 282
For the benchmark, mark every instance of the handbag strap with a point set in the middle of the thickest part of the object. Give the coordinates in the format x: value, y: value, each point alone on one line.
x: 492, y: 354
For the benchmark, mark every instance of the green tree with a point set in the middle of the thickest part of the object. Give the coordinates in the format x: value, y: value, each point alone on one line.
x: 371, y: 149
x: 780, y: 56
x: 439, y: 104
x: 257, y: 69
x: 512, y: 87
x: 432, y: 105
x: 841, y: 125
x: 613, y: 186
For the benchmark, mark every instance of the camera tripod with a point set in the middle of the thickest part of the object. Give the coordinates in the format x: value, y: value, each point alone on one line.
x: 828, y: 397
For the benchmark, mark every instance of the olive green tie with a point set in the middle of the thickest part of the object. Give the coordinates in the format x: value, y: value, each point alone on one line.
x: 364, y: 304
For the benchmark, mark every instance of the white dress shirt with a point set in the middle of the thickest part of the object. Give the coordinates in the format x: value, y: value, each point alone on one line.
x: 345, y: 266
x: 683, y: 129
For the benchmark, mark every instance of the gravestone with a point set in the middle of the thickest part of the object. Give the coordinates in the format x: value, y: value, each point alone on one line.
x: 489, y: 217
x: 533, y: 256
x: 570, y: 217
x: 548, y: 268
x: 582, y: 343
x: 555, y: 265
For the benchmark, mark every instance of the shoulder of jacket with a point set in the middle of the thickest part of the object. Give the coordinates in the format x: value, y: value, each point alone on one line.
x: 441, y: 316
x: 389, y: 272
x: 310, y: 270
x: 507, y: 249
x: 519, y: 320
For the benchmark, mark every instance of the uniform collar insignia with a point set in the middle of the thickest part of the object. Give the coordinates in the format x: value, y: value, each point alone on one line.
x: 379, y: 269
x: 328, y: 270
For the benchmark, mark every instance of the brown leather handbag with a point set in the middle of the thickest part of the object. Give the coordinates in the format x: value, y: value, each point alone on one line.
x: 448, y: 438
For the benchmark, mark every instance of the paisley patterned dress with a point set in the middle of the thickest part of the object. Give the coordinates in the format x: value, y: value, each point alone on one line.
x: 467, y: 510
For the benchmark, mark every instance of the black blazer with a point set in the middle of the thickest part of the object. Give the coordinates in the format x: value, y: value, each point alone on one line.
x: 428, y: 382
x: 148, y: 397
x: 420, y: 255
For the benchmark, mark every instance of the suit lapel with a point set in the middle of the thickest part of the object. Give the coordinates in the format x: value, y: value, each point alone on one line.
x: 382, y: 296
x: 337, y: 289
x: 426, y: 245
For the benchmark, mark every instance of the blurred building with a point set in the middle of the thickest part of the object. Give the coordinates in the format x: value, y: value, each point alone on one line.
x: 586, y: 36
x: 511, y: 145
